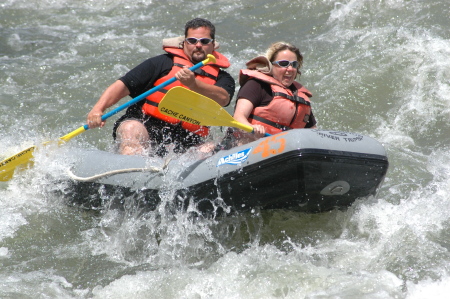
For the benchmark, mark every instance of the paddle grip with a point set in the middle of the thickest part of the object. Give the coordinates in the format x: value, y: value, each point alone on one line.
x: 265, y: 134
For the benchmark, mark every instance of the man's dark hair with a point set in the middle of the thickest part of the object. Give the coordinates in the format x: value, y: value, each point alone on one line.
x: 199, y: 22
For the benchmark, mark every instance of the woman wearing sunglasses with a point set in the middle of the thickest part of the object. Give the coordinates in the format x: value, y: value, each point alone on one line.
x: 270, y: 100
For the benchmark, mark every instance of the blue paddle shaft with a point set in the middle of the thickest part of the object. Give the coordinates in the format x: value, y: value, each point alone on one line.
x: 144, y: 95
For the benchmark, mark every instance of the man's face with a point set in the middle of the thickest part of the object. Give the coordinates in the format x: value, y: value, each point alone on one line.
x: 197, y: 52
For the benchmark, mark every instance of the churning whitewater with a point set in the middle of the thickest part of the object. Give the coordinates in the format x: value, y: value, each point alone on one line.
x: 375, y: 68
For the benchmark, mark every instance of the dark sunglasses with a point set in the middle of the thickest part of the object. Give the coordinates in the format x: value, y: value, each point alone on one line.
x: 203, y: 40
x: 287, y: 63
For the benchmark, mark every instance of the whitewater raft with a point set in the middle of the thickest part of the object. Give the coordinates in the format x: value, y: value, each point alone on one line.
x: 305, y: 170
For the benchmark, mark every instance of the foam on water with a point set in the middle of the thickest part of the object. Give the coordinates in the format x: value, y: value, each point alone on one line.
x: 377, y: 68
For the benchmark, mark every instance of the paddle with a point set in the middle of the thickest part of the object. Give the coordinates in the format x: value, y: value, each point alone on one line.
x: 189, y: 106
x: 9, y: 165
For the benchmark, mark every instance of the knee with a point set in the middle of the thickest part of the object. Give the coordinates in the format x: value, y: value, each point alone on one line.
x: 131, y: 128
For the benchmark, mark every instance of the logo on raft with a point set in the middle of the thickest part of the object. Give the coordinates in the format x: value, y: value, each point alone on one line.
x: 235, y: 158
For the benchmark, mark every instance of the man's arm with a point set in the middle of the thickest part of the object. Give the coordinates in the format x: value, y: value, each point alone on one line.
x: 111, y: 96
x: 217, y: 93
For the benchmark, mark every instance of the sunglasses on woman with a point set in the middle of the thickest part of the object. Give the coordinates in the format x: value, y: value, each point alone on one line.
x: 287, y: 63
x: 203, y: 40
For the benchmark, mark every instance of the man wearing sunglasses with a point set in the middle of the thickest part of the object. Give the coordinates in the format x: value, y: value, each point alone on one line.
x: 143, y: 127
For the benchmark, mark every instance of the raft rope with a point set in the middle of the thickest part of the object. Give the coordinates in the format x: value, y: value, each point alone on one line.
x: 118, y: 171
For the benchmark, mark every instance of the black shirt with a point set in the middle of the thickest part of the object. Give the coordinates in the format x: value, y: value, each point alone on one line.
x: 142, y: 77
x: 260, y: 94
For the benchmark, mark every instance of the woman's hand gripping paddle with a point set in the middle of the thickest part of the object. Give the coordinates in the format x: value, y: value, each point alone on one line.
x: 189, y: 106
x: 23, y: 159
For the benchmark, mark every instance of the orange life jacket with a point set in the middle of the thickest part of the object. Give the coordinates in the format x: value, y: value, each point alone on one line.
x: 286, y: 110
x: 207, y: 74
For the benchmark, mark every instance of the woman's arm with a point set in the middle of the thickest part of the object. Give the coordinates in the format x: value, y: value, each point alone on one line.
x: 243, y: 109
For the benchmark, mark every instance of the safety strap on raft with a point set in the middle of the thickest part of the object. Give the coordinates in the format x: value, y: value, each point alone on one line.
x: 118, y: 171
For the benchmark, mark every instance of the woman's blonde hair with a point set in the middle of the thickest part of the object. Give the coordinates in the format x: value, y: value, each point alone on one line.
x: 277, y: 47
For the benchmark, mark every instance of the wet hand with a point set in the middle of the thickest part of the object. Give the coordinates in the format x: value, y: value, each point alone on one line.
x: 186, y: 77
x: 259, y: 131
x: 94, y: 119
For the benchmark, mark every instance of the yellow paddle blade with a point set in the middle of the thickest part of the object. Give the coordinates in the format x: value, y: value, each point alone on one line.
x: 23, y: 159
x: 20, y: 160
x: 8, y: 166
x: 189, y: 106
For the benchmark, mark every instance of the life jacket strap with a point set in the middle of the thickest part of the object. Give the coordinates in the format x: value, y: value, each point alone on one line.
x: 199, y: 72
x: 151, y: 102
x: 295, y: 98
x: 270, y: 123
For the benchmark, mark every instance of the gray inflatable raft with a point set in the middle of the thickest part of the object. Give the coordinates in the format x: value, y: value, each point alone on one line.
x: 305, y: 170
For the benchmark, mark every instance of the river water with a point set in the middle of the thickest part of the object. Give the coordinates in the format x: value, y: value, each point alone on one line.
x: 378, y: 68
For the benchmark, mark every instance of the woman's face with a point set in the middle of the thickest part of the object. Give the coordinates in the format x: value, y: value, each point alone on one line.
x: 286, y: 75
